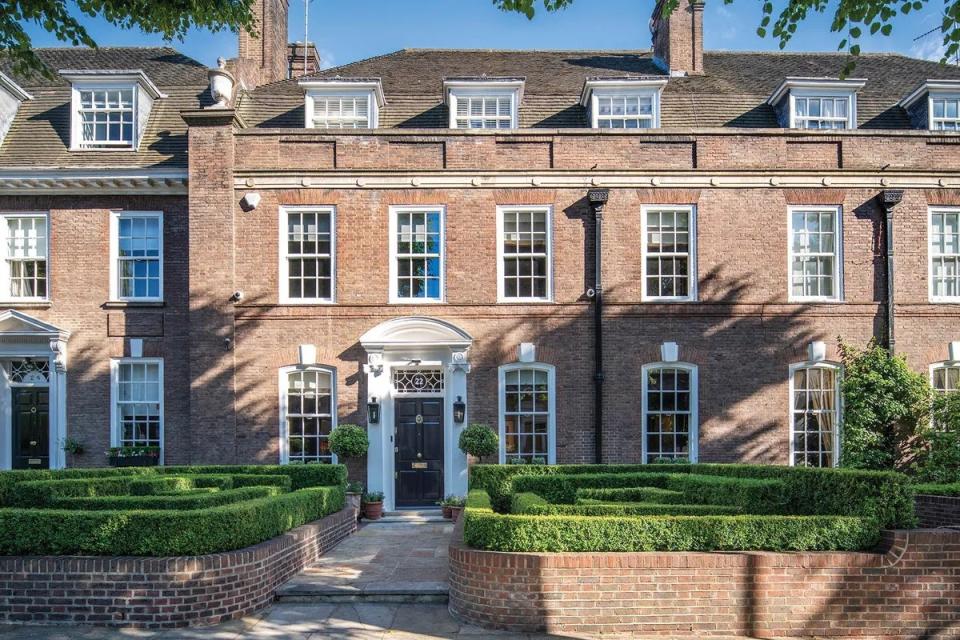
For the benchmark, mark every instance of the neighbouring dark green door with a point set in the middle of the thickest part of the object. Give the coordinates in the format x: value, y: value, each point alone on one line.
x: 31, y: 427
x: 419, y: 451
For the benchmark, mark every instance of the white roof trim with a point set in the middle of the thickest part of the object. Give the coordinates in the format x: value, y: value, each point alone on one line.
x: 851, y: 84
x: 484, y: 84
x: 415, y: 331
x: 130, y: 75
x: 20, y: 181
x: 18, y: 92
x: 593, y: 84
x: 332, y: 85
x: 929, y: 86
x: 31, y: 326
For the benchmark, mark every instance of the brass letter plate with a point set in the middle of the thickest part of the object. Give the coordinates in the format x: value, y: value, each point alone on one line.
x: 418, y: 465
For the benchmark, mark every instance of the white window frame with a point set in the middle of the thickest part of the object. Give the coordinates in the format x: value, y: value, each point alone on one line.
x: 115, y: 428
x: 395, y: 211
x: 837, y: 368
x: 692, y: 275
x: 115, y: 255
x: 503, y: 209
x: 282, y: 390
x: 284, y: 264
x: 693, y: 435
x: 851, y: 98
x: 838, y: 290
x: 945, y: 364
x: 932, y: 121
x: 76, y: 138
x: 373, y: 111
x: 933, y: 298
x: 551, y: 372
x: 5, y: 289
x: 455, y: 90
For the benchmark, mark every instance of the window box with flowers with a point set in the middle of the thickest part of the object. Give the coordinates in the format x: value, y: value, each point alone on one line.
x: 133, y: 456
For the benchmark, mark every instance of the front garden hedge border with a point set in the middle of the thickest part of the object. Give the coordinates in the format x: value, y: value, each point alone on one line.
x: 484, y: 529
x: 532, y: 504
x: 164, y: 532
x: 933, y: 489
x: 884, y: 496
x: 178, y: 502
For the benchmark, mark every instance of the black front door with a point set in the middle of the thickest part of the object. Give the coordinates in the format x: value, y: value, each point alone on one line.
x: 31, y: 427
x: 419, y: 451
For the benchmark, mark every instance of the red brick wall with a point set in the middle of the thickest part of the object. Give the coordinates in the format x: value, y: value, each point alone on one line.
x: 911, y: 591
x: 938, y: 511
x: 162, y: 592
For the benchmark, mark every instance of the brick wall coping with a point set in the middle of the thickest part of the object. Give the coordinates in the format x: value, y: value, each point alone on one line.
x: 672, y: 132
x: 938, y: 511
x: 909, y: 588
x: 162, y: 592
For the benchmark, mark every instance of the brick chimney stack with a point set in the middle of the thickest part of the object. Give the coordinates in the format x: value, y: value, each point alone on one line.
x: 298, y: 55
x: 678, y: 39
x: 262, y: 58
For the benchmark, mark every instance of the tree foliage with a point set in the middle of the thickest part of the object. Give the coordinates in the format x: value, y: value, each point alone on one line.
x: 884, y: 404
x: 937, y: 448
x: 851, y: 19
x: 169, y: 18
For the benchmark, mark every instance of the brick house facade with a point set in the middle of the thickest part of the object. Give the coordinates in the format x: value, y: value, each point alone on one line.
x: 426, y: 297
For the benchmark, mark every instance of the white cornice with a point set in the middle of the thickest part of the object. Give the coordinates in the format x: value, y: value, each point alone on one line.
x: 688, y: 180
x: 334, y: 85
x: 113, y: 75
x: 930, y: 86
x: 832, y: 84
x: 20, y: 181
x: 15, y: 90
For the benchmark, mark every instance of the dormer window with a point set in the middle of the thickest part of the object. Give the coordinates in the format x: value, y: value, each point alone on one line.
x: 342, y: 103
x: 817, y: 103
x: 11, y: 96
x: 110, y: 109
x: 484, y: 103
x: 934, y: 105
x: 623, y: 103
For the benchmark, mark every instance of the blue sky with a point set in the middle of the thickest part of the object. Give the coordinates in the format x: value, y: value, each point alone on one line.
x: 347, y: 31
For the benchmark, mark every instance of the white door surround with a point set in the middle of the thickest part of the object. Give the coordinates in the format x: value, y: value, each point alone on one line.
x: 415, y: 341
x: 23, y: 337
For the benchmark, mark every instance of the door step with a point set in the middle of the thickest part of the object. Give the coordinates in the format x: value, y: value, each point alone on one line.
x: 420, y: 592
x: 411, y: 516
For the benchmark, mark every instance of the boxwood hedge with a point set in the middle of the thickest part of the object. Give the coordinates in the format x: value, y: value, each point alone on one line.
x: 484, y: 529
x: 932, y: 489
x: 163, y: 532
x: 532, y: 504
x: 182, y: 501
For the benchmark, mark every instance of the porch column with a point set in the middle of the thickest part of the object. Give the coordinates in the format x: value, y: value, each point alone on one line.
x: 456, y: 467
x: 58, y: 402
x: 380, y: 452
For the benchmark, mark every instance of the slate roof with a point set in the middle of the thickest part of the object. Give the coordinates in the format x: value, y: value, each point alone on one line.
x: 732, y: 92
x: 40, y: 134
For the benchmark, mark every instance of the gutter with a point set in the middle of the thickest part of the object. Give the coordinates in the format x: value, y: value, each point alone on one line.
x: 598, y: 200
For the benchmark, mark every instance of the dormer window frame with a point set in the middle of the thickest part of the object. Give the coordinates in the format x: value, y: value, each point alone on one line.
x: 9, y: 108
x: 602, y: 88
x: 456, y: 89
x: 370, y: 89
x: 933, y: 90
x: 143, y: 93
x: 818, y: 88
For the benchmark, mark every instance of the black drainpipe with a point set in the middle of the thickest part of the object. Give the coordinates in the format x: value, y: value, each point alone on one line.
x: 598, y: 199
x: 889, y: 198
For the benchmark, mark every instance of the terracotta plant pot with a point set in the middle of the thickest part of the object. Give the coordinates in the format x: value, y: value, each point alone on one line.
x: 455, y: 513
x: 446, y: 512
x: 373, y: 510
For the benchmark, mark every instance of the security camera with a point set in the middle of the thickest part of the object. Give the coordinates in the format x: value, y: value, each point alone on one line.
x: 237, y: 296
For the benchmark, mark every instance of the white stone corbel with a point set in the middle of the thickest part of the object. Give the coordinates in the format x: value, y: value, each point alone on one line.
x: 59, y: 348
x: 459, y: 362
x: 669, y: 352
x: 374, y: 364
x: 527, y: 352
x: 954, y: 351
x: 817, y: 351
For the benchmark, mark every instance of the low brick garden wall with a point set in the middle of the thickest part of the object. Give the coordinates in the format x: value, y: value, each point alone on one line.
x: 910, y: 591
x: 938, y: 511
x: 162, y: 592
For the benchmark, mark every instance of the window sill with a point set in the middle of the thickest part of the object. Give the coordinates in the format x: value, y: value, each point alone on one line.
x: 26, y: 304
x: 524, y: 301
x: 944, y: 300
x: 134, y: 304
x: 815, y: 301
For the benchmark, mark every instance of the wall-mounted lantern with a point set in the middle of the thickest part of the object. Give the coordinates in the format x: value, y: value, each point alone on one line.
x: 459, y: 410
x: 373, y: 411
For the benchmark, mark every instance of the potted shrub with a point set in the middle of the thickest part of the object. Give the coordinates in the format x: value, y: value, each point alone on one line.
x: 446, y: 505
x: 456, y: 507
x: 373, y: 505
x: 349, y: 441
x: 133, y: 456
x: 479, y: 440
x: 354, y: 492
x: 73, y: 446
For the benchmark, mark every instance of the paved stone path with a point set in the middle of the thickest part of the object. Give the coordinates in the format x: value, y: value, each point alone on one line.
x: 399, y: 559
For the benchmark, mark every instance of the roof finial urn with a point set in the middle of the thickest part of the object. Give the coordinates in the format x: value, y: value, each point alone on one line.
x: 221, y: 85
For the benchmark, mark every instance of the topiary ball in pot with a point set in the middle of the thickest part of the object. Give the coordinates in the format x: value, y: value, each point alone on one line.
x: 479, y: 440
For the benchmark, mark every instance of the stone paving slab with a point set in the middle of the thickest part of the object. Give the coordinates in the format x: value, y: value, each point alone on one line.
x: 391, y: 562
